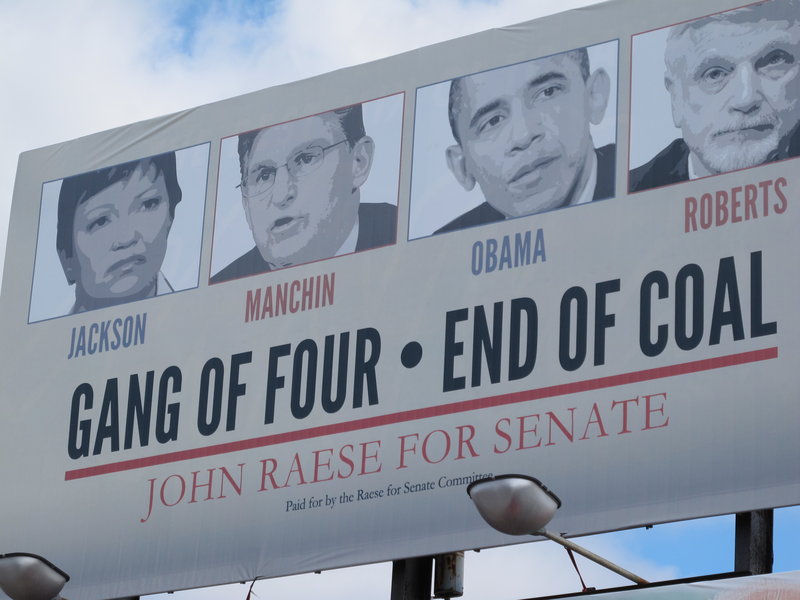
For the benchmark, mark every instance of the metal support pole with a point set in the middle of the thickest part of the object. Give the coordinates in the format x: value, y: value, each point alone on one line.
x: 448, y: 576
x: 411, y: 578
x: 592, y: 556
x: 753, y: 551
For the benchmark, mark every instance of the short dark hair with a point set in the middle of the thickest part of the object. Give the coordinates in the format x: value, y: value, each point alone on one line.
x: 351, y: 120
x: 579, y: 55
x: 77, y: 189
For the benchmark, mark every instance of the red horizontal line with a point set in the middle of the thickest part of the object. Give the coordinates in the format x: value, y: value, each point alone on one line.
x: 431, y: 411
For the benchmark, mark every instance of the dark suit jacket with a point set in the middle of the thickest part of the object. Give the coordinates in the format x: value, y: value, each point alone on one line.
x: 377, y: 226
x: 485, y: 213
x: 671, y: 165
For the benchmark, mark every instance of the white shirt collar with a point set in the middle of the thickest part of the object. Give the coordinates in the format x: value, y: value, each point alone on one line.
x: 162, y: 285
x: 690, y: 164
x: 350, y: 242
x: 587, y: 193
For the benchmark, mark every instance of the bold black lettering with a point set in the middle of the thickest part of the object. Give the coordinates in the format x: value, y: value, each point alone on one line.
x: 236, y: 389
x: 726, y: 287
x: 108, y: 423
x: 364, y: 368
x: 274, y: 381
x: 452, y: 349
x: 206, y: 424
x: 78, y: 445
x: 332, y: 405
x: 491, y: 346
x: 689, y: 340
x: 168, y: 432
x: 139, y: 410
x: 306, y: 347
x: 602, y: 320
x: 517, y: 369
x: 649, y: 347
x: 757, y: 326
x: 577, y: 295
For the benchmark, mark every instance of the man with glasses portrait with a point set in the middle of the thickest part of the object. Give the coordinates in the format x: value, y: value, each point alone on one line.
x: 300, y: 186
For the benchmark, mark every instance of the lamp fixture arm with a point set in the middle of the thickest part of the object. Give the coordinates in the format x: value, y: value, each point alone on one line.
x: 592, y: 556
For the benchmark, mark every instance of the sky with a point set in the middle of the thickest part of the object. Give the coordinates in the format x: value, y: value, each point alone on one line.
x: 73, y: 68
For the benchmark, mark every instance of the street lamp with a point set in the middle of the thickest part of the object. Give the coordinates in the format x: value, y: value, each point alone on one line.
x: 522, y: 505
x: 26, y: 576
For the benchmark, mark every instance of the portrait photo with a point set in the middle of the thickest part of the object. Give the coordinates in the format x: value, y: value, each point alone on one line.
x: 513, y: 141
x: 310, y: 189
x: 715, y: 95
x: 119, y: 234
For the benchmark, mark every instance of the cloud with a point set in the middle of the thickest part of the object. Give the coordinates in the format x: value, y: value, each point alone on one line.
x: 88, y: 65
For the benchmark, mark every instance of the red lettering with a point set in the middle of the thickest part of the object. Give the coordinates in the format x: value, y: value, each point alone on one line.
x: 346, y: 460
x: 426, y: 455
x: 624, y: 404
x: 554, y: 419
x: 765, y: 185
x: 294, y: 304
x: 465, y: 441
x: 722, y: 207
x: 196, y: 485
x: 706, y: 210
x: 365, y: 456
x: 650, y: 410
x: 735, y: 204
x: 780, y: 207
x: 318, y: 464
x: 523, y: 431
x: 690, y: 210
x: 750, y: 195
x: 164, y: 487
x: 403, y: 450
x: 226, y: 475
x: 252, y: 307
x: 594, y: 419
x: 503, y: 435
x: 269, y: 474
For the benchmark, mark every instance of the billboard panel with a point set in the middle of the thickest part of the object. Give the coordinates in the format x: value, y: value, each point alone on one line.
x: 401, y: 277
x: 778, y: 586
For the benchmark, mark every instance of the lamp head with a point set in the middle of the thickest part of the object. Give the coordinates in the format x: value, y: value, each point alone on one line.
x: 26, y: 576
x: 514, y: 504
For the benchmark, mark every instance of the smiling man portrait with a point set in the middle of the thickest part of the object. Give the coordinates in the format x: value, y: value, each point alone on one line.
x: 734, y: 86
x: 300, y: 191
x: 523, y: 135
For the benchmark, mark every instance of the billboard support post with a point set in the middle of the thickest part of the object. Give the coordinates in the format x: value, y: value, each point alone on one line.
x: 753, y: 551
x: 411, y: 578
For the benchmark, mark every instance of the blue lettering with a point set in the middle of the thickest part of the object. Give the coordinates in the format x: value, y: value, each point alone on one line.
x: 522, y: 249
x: 127, y: 331
x: 491, y: 255
x: 477, y: 257
x: 505, y: 254
x: 93, y: 330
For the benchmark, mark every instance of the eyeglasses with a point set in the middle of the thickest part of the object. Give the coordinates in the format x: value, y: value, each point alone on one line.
x: 259, y: 181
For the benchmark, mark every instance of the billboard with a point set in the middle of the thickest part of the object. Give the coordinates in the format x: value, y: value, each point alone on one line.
x: 779, y: 586
x: 283, y: 332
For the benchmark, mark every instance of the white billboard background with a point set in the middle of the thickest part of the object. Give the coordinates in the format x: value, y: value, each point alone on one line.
x: 667, y: 470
